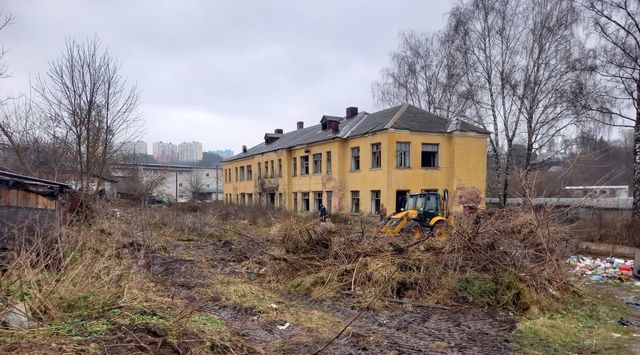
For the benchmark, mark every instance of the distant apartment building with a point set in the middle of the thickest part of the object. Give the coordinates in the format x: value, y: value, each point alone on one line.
x: 178, y: 183
x: 138, y: 147
x: 165, y: 152
x: 224, y: 153
x: 190, y: 152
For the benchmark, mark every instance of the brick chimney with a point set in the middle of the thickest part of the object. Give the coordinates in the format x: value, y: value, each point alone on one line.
x: 244, y: 148
x: 278, y: 131
x: 351, y: 112
x: 300, y: 125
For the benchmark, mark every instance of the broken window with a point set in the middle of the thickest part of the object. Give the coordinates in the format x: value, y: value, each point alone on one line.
x: 305, y: 202
x: 304, y: 165
x: 295, y: 202
x: 294, y: 166
x: 429, y: 156
x: 249, y: 173
x: 403, y: 154
x: 328, y: 162
x: 317, y: 200
x: 273, y: 172
x: 375, y: 201
x: 317, y: 163
x: 355, y: 201
x: 279, y: 167
x: 376, y: 155
x: 242, y: 173
x: 249, y: 199
x: 355, y: 158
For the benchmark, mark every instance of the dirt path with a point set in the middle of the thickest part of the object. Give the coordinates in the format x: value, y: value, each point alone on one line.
x: 396, y: 329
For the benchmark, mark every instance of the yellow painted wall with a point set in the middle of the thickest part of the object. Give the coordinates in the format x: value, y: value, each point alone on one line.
x: 462, y: 168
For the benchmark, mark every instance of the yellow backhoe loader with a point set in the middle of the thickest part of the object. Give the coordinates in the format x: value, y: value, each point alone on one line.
x: 425, y: 213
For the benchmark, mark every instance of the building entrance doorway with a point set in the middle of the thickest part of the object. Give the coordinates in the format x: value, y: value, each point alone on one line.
x: 401, y: 199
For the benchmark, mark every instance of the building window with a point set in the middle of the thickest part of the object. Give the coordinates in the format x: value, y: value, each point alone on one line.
x: 403, y: 155
x: 259, y: 170
x: 272, y: 169
x: 304, y: 165
x: 295, y: 202
x: 429, y: 156
x: 294, y: 166
x: 242, y: 173
x: 329, y: 200
x: 207, y: 185
x: 328, y: 162
x: 249, y: 199
x: 279, y: 167
x: 317, y: 200
x: 242, y: 199
x: 266, y: 169
x: 179, y: 184
x: 207, y: 174
x: 249, y: 172
x: 375, y: 202
x: 355, y: 158
x: 317, y: 163
x: 376, y: 155
x: 305, y: 202
x: 355, y: 201
x: 236, y: 173
x: 280, y: 202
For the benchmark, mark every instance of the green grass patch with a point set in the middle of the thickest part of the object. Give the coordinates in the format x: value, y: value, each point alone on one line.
x: 584, y: 326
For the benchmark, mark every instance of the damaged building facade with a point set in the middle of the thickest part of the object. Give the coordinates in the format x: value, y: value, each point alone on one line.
x: 360, y: 162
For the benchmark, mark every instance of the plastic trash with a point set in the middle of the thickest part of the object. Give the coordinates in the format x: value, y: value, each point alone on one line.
x: 283, y: 327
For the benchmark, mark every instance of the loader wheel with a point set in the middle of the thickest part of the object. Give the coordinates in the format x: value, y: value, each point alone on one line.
x: 439, y: 230
x: 413, y: 230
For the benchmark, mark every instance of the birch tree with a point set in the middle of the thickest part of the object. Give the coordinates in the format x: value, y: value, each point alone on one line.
x: 617, y: 64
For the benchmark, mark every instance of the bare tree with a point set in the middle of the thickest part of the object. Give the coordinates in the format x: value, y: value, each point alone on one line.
x: 617, y: 65
x: 546, y: 75
x: 195, y: 186
x: 90, y: 107
x: 423, y: 72
x: 488, y: 34
x: 138, y: 185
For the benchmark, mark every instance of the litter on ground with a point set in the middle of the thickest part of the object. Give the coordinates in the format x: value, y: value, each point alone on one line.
x: 603, y: 269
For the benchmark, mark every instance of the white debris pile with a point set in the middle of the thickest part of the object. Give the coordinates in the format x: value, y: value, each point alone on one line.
x: 605, y: 269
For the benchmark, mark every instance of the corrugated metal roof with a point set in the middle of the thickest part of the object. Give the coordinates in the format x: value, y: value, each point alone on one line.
x: 403, y: 117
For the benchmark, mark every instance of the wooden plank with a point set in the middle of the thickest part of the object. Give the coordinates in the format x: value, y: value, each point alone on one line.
x: 608, y: 249
x: 13, y: 198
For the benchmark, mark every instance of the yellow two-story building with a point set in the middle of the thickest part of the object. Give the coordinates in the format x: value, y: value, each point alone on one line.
x: 361, y: 163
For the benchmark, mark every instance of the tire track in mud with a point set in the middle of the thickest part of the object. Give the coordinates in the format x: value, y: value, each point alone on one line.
x: 398, y: 329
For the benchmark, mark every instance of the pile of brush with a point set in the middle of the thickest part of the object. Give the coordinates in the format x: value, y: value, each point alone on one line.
x: 509, y: 259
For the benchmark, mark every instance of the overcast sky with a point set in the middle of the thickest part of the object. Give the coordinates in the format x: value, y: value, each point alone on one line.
x: 224, y: 73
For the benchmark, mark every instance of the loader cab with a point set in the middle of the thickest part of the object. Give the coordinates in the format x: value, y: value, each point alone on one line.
x: 427, y: 204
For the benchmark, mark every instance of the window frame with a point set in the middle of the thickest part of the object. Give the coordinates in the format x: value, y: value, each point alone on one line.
x: 294, y: 163
x: 354, y: 160
x: 374, y: 210
x: 407, y: 158
x: 437, y: 155
x: 328, y: 159
x: 304, y: 165
x: 317, y: 163
x: 376, y: 155
x: 355, y: 196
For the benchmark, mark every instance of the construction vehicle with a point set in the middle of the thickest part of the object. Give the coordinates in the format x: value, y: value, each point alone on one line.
x: 425, y: 213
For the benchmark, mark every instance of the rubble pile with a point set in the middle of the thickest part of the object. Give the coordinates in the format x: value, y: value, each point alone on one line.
x: 604, y: 269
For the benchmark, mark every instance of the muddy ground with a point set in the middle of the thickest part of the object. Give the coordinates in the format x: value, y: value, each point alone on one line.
x: 394, y: 327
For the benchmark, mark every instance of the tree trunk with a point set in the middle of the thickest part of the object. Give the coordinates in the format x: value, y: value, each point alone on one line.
x: 636, y: 157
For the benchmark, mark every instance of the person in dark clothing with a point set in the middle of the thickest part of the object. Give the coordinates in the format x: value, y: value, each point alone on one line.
x: 323, y: 213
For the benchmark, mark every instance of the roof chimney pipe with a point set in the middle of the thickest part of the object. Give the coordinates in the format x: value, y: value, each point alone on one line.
x: 244, y: 148
x: 300, y: 125
x: 278, y: 131
x: 351, y: 112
